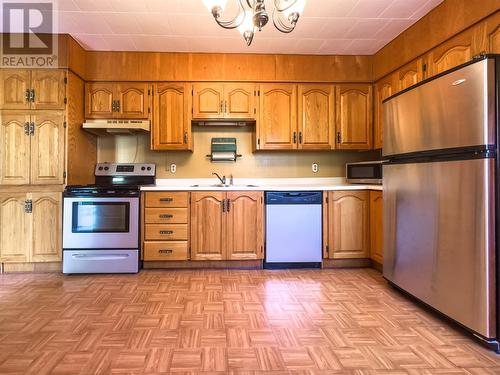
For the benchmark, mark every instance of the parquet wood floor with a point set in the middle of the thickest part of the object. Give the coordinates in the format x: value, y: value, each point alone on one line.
x: 226, y: 322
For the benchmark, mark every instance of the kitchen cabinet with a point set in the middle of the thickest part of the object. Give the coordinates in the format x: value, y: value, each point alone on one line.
x: 165, y: 226
x: 117, y: 100
x: 226, y: 226
x: 277, y: 125
x: 32, y: 89
x: 376, y: 226
x: 30, y: 227
x: 494, y: 40
x: 316, y: 117
x: 33, y: 151
x: 348, y: 224
x: 354, y: 116
x: 409, y: 75
x: 383, y: 89
x: 224, y: 100
x: 171, y: 117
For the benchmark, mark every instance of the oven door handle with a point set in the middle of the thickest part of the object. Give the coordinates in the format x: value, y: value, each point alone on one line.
x: 100, y: 256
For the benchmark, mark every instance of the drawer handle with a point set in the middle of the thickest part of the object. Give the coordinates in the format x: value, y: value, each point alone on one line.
x: 165, y: 251
x: 166, y: 216
x: 166, y: 232
x: 166, y: 199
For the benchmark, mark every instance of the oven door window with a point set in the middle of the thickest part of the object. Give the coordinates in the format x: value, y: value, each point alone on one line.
x: 101, y: 217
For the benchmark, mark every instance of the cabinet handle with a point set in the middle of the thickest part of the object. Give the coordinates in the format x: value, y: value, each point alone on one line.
x: 223, y: 205
x: 32, y: 95
x: 294, y: 137
x: 27, y: 128
x: 222, y: 106
x: 166, y: 216
x: 300, y: 137
x: 228, y: 204
x: 339, y: 138
x: 166, y: 232
x: 225, y: 106
x: 117, y: 106
x: 166, y: 252
x: 185, y: 137
x: 166, y: 199
x: 27, y: 95
x: 113, y: 106
x: 32, y: 128
x: 28, y: 206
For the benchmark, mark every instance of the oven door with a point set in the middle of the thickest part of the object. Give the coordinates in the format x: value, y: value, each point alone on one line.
x: 101, y: 223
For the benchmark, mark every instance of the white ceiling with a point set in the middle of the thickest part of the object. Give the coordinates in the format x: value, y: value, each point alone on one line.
x: 347, y: 27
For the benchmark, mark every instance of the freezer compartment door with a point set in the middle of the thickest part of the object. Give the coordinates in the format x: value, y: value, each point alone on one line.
x: 455, y: 110
x: 439, y: 241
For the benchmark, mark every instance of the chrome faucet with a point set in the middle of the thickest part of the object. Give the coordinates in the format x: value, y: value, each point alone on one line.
x: 221, y: 179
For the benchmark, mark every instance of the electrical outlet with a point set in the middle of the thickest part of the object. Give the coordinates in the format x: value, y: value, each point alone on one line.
x: 173, y: 168
x: 315, y: 167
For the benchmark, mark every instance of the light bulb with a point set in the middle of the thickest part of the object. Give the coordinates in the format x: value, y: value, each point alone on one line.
x: 298, y: 8
x: 247, y: 27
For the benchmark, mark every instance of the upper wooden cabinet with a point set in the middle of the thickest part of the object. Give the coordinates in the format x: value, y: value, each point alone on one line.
x: 277, y: 124
x: 32, y: 89
x: 125, y: 100
x: 354, y: 116
x: 224, y: 100
x: 316, y: 114
x: 376, y: 226
x: 171, y: 117
x: 226, y: 226
x: 34, y: 148
x: 383, y: 89
x: 30, y: 227
x: 348, y: 224
x: 409, y: 75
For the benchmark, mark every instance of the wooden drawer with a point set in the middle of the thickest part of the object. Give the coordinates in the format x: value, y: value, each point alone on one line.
x: 167, y: 199
x: 167, y: 232
x: 162, y: 251
x: 166, y: 215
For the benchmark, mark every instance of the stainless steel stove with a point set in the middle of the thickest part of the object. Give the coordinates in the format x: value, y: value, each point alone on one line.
x: 101, y: 221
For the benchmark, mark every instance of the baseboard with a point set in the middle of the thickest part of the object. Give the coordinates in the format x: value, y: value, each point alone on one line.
x: 347, y: 263
x: 31, y: 267
x: 378, y: 266
x: 208, y: 264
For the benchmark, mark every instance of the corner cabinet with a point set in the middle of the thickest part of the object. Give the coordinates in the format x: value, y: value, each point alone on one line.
x: 30, y: 227
x: 171, y: 128
x: 122, y: 100
x: 354, y: 116
x: 226, y: 226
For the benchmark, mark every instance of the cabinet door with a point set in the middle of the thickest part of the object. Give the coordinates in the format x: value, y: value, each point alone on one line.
x: 14, y: 149
x: 14, y: 228
x: 383, y: 89
x: 244, y: 225
x: 454, y: 52
x: 409, y: 75
x: 49, y: 88
x: 494, y: 40
x: 99, y: 100
x: 14, y: 84
x: 354, y: 116
x: 208, y: 100
x: 47, y: 148
x: 239, y: 100
x: 316, y: 114
x: 376, y: 226
x: 46, y: 227
x: 171, y: 117
x: 277, y: 125
x: 207, y: 228
x: 349, y: 225
x: 133, y: 100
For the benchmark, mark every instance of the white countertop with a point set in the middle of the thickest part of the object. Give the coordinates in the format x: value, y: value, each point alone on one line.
x: 258, y: 184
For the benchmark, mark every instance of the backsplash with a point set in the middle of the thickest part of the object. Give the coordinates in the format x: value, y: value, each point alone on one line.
x: 128, y: 149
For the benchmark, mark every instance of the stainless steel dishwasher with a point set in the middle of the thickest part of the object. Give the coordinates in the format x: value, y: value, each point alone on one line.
x: 293, y: 229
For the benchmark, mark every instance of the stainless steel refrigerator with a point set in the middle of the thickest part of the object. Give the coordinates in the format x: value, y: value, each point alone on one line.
x: 441, y: 193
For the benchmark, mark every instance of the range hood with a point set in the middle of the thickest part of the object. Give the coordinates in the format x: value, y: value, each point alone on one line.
x: 223, y: 122
x: 115, y: 127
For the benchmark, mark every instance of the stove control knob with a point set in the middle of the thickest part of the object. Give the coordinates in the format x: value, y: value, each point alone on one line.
x: 100, y: 168
x: 106, y: 168
x: 143, y: 168
x: 149, y: 168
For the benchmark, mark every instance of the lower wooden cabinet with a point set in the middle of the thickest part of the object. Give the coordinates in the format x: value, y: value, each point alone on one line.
x: 226, y: 226
x: 30, y: 227
x: 376, y: 226
x: 166, y: 226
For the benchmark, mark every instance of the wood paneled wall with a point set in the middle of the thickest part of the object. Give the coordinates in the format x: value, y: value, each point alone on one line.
x: 442, y: 23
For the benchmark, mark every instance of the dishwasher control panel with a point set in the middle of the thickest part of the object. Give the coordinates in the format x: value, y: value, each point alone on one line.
x: 294, y: 197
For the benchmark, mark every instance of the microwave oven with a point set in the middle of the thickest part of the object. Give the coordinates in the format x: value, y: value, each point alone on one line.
x: 367, y: 172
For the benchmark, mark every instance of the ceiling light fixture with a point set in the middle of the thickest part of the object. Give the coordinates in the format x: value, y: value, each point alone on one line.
x: 252, y: 15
